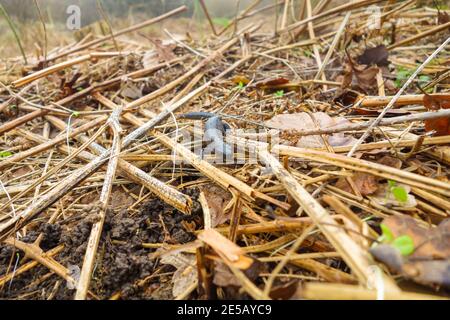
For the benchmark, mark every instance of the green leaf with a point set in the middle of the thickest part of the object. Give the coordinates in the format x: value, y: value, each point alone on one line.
x: 400, y: 194
x: 404, y: 244
x: 5, y: 154
x: 387, y: 235
x: 402, y: 75
x: 75, y: 114
x: 240, y: 85
x: 279, y: 93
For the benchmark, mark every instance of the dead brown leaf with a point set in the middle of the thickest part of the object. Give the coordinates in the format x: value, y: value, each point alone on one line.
x: 429, y: 243
x: 186, y: 274
x: 310, y: 121
x: 429, y: 264
x: 377, y: 55
x: 364, y: 182
x: 441, y: 126
x: 217, y: 199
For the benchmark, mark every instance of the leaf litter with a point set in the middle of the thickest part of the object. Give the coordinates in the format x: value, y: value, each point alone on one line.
x: 98, y: 192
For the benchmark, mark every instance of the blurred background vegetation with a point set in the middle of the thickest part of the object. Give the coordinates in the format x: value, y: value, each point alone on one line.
x: 55, y: 10
x: 122, y: 13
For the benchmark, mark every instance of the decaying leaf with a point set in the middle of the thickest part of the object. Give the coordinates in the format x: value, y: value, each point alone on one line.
x: 217, y: 199
x: 285, y: 291
x: 223, y: 276
x: 377, y: 55
x: 433, y: 243
x: 441, y: 126
x: 304, y: 121
x: 429, y: 264
x: 366, y: 183
x: 131, y: 91
x: 359, y: 76
x: 443, y: 17
x: 186, y: 274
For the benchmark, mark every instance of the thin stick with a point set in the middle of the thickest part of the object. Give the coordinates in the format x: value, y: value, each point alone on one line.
x: 419, y: 36
x: 38, y: 8
x: 443, y: 113
x: 211, y: 23
x: 357, y: 258
x: 106, y: 18
x: 14, y: 31
x: 121, y: 32
x: 96, y: 231
x: 333, y: 45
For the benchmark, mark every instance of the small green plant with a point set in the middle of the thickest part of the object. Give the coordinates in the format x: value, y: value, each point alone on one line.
x: 75, y: 114
x: 398, y: 192
x: 308, y: 53
x: 240, y: 86
x: 403, y: 74
x: 223, y: 22
x: 404, y: 244
x: 5, y: 154
x: 279, y: 93
x: 423, y: 79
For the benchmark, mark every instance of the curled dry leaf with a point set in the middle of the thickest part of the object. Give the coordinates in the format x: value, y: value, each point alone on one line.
x: 360, y: 76
x: 303, y: 121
